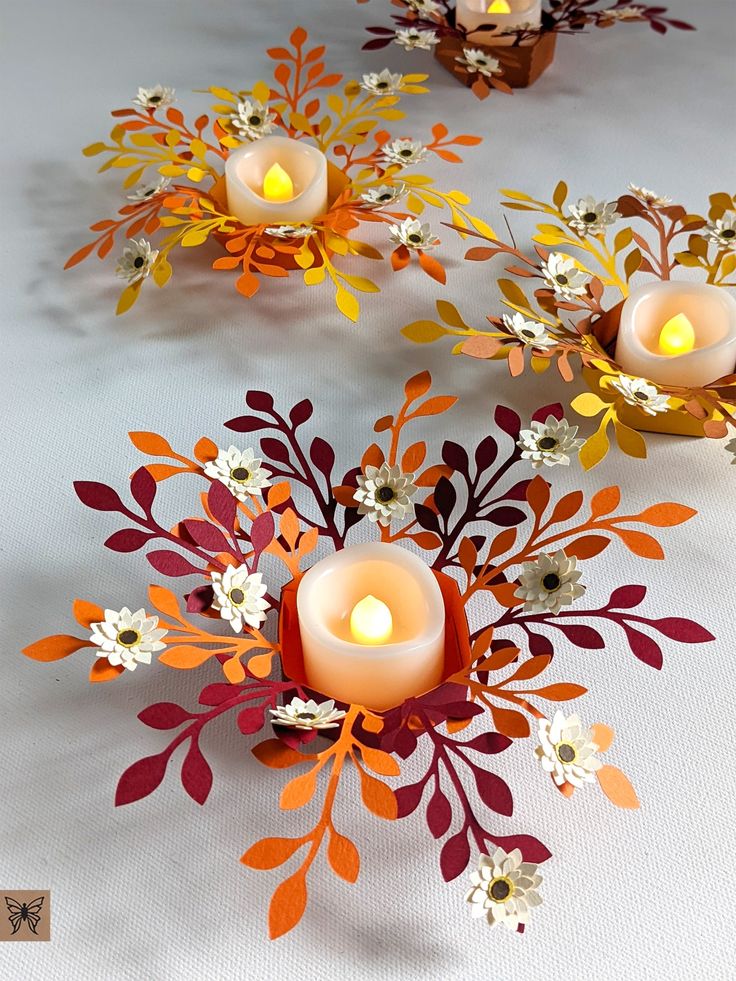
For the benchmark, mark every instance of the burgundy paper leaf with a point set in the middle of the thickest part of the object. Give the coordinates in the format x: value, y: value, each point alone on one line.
x: 143, y: 488
x: 494, y: 792
x: 445, y: 497
x: 97, y: 496
x: 427, y: 518
x: 530, y: 847
x: 207, y: 536
x: 300, y: 413
x: 222, y: 504
x: 507, y: 420
x: 196, y: 775
x: 322, y: 455
x: 685, y: 631
x: 200, y: 599
x: 141, y: 779
x: 274, y: 449
x: 626, y: 597
x: 539, y: 644
x: 486, y: 453
x: 454, y: 856
x: 376, y: 43
x: 262, y: 532
x: 171, y: 563
x: 488, y: 743
x: 439, y: 813
x: 461, y: 710
x: 506, y: 517
x: 581, y: 635
x: 259, y: 401
x: 555, y: 409
x: 408, y: 798
x: 128, y: 540
x: 164, y: 715
x: 217, y: 693
x: 250, y: 720
x: 247, y: 424
x: 455, y: 456
x: 643, y: 647
x: 518, y: 491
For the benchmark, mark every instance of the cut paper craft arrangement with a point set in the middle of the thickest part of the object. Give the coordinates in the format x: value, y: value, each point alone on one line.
x: 454, y: 535
x: 281, y: 177
x: 635, y: 295
x: 503, y: 44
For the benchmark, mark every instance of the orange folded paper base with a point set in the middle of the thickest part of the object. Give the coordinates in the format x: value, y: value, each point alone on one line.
x: 457, y: 633
x: 522, y: 64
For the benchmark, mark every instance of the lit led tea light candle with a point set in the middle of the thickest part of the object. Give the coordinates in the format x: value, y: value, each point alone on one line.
x: 372, y: 625
x: 276, y: 181
x: 503, y: 14
x: 678, y: 333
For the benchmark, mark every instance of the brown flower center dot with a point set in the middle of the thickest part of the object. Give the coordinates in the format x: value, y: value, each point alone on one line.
x: 561, y: 280
x: 590, y: 217
x: 566, y: 753
x: 240, y: 474
x: 500, y: 890
x: 138, y: 261
x: 551, y: 582
x: 128, y: 637
x: 237, y: 596
x: 385, y: 494
x: 414, y: 238
x: 642, y: 396
x: 547, y: 443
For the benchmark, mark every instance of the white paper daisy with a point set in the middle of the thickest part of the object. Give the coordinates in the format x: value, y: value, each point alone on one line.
x: 425, y: 6
x: 591, y: 217
x: 126, y: 638
x: 642, y: 394
x: 385, y: 194
x: 155, y: 98
x: 414, y: 235
x: 404, y: 152
x: 625, y: 13
x: 144, y: 192
x: 651, y: 198
x: 137, y: 260
x: 549, y: 583
x: 239, y: 470
x: 290, y: 231
x: 385, y: 493
x: 410, y: 38
x: 532, y: 333
x: 475, y: 61
x: 382, y: 83
x: 722, y: 232
x: 239, y: 597
x: 252, y: 120
x: 299, y: 714
x: 550, y: 443
x: 567, y: 751
x: 563, y: 276
x: 504, y: 889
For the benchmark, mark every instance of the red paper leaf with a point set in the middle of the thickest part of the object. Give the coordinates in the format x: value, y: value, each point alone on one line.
x: 196, y: 775
x: 141, y: 779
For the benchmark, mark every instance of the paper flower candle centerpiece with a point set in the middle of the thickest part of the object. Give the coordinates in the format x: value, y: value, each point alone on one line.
x: 658, y: 353
x: 675, y: 333
x: 503, y: 44
x: 426, y: 644
x: 282, y: 178
x: 276, y: 181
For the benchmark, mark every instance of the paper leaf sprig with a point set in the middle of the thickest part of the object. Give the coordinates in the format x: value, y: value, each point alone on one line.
x: 371, y: 179
x: 486, y: 528
x: 432, y: 25
x: 565, y: 302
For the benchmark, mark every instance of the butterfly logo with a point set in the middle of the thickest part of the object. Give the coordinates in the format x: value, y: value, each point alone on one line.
x: 29, y: 913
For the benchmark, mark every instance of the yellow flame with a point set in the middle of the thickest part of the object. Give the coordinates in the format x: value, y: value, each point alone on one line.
x: 371, y: 621
x: 499, y: 7
x: 277, y: 185
x: 677, y: 336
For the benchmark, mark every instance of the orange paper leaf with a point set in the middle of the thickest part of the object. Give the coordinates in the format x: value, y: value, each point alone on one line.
x: 87, y: 613
x: 343, y: 857
x: 55, y: 648
x: 287, y: 905
x: 269, y: 853
x: 617, y: 787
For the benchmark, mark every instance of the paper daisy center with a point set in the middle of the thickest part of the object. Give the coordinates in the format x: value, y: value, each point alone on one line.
x: 306, y: 716
x: 405, y: 153
x: 241, y: 474
x: 590, y: 217
x: 728, y: 233
x: 551, y: 582
x: 642, y: 396
x: 566, y: 753
x: 414, y: 238
x: 128, y: 638
x: 561, y: 279
x: 384, y: 495
x: 386, y: 196
x: 236, y: 596
x: 547, y: 443
x: 528, y: 333
x: 138, y: 261
x: 254, y: 120
x: 500, y: 890
x: 154, y: 98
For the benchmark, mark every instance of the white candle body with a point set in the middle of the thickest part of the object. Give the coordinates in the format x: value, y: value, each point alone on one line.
x: 377, y: 676
x: 472, y: 13
x: 712, y: 312
x: 246, y: 167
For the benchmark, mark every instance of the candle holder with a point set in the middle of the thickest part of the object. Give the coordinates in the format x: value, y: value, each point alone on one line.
x: 588, y: 256
x: 505, y: 53
x: 512, y: 559
x: 190, y: 180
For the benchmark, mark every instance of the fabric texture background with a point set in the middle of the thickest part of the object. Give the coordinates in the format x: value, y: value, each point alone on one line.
x: 154, y: 891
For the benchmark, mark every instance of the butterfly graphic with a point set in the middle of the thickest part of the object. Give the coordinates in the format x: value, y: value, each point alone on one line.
x: 28, y: 912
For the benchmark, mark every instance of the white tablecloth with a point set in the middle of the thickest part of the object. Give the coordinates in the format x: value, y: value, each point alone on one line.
x: 154, y: 892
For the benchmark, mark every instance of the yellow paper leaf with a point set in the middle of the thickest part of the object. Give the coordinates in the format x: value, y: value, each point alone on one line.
x: 423, y: 331
x: 347, y: 304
